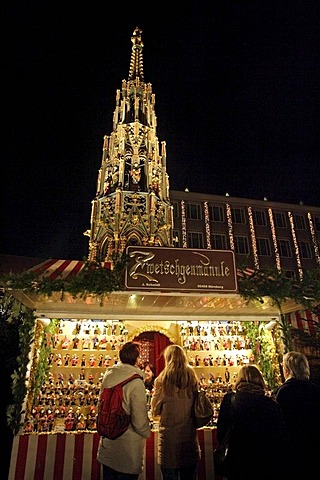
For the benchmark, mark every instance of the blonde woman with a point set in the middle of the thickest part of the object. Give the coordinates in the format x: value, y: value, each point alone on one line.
x: 172, y: 400
x: 258, y: 445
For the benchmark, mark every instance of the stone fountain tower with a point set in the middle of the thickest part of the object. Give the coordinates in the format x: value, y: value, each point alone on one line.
x: 132, y: 205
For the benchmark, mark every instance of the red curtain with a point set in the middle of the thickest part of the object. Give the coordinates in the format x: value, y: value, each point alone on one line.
x: 155, y: 343
x: 160, y: 343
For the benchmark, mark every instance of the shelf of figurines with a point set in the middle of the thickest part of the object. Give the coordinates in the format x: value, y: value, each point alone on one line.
x: 71, y: 406
x: 82, y: 350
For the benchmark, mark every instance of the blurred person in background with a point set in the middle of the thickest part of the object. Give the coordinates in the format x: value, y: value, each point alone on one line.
x: 148, y: 369
x: 299, y: 400
x: 258, y: 443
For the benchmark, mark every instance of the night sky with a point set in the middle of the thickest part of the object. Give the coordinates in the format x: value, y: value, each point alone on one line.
x: 237, y: 102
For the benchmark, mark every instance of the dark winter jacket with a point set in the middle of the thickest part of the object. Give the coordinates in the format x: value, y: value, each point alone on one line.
x: 300, y: 403
x: 258, y: 447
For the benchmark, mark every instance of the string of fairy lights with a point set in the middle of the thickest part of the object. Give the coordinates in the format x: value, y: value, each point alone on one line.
x: 230, y: 227
x: 253, y: 237
x: 295, y: 243
x: 313, y: 237
x: 274, y: 239
x: 207, y: 224
x: 184, y: 224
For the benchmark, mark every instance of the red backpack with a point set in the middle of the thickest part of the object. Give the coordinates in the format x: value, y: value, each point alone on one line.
x: 112, y: 420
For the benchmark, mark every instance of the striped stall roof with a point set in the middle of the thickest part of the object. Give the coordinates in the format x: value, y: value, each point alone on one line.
x: 304, y: 320
x: 54, y: 268
x: 64, y: 269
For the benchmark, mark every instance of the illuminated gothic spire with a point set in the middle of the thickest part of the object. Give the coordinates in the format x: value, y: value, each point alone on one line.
x: 136, y: 62
x: 132, y: 204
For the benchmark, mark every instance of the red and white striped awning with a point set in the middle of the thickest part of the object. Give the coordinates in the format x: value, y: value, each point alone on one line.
x: 54, y: 268
x: 64, y: 269
x: 304, y: 320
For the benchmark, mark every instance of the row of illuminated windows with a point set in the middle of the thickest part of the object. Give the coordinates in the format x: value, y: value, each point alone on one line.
x: 238, y: 215
x: 242, y: 245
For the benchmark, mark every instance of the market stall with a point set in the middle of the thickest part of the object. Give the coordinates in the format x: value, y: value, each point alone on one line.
x: 59, y: 426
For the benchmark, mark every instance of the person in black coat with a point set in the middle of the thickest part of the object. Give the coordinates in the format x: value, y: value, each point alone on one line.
x: 299, y: 400
x: 258, y: 445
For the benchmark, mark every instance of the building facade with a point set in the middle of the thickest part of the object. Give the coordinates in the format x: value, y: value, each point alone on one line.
x: 261, y: 233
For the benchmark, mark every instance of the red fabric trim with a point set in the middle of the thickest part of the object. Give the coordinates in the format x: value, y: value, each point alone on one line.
x: 41, y: 457
x: 299, y: 321
x: 149, y: 465
x: 22, y: 457
x: 202, y: 463
x: 95, y: 465
x: 310, y: 317
x: 78, y: 455
x: 59, y: 458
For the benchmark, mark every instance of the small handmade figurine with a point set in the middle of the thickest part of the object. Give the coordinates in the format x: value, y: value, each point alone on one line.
x: 81, y: 422
x: 100, y: 363
x: 66, y: 359
x: 58, y: 359
x: 69, y: 420
x: 92, y: 361
x: 83, y: 361
x: 65, y: 343
x: 74, y: 360
x: 102, y: 343
x: 86, y: 343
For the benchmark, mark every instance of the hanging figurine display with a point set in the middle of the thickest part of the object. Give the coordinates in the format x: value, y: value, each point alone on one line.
x: 69, y: 398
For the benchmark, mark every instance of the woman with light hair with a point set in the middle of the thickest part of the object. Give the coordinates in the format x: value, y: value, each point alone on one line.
x: 299, y: 399
x: 172, y: 400
x: 296, y: 365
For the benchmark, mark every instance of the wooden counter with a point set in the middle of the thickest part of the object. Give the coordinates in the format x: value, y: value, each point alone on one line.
x: 63, y: 456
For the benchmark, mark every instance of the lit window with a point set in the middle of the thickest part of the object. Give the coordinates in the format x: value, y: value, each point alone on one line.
x: 284, y: 248
x: 193, y: 211
x: 218, y: 241
x: 241, y: 245
x: 305, y: 250
x: 195, y: 240
x: 263, y: 247
x: 238, y: 215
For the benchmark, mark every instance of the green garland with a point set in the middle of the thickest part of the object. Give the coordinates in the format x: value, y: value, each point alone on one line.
x: 93, y: 279
x: 264, y: 352
x: 42, y: 364
x: 23, y: 318
x: 271, y: 283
